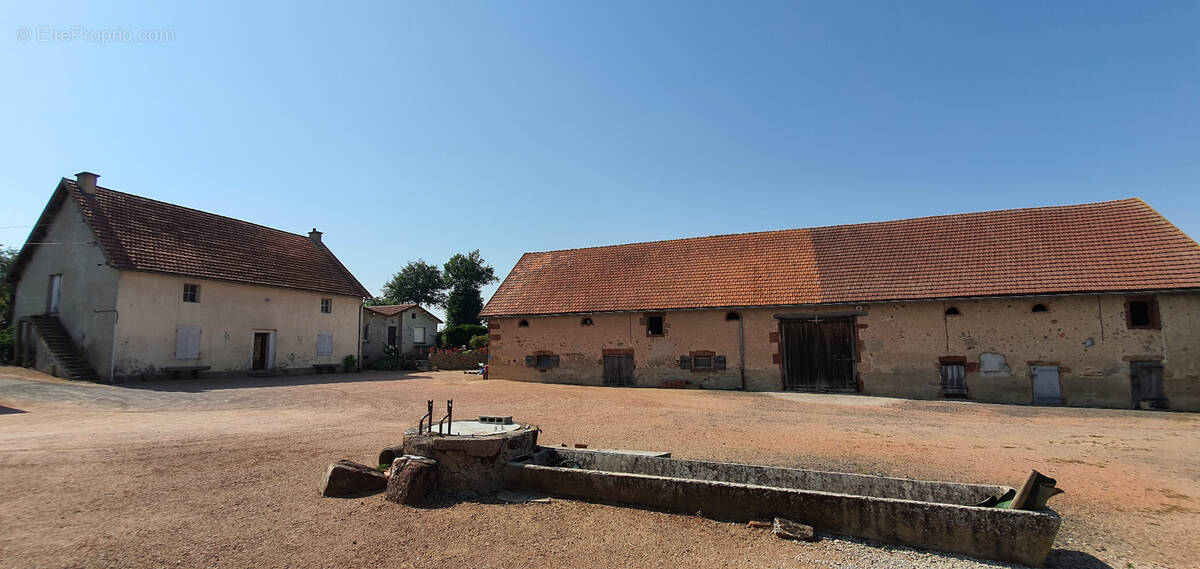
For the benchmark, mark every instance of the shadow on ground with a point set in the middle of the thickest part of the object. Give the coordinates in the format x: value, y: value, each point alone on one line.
x: 1074, y: 560
x: 10, y: 411
x: 241, y: 382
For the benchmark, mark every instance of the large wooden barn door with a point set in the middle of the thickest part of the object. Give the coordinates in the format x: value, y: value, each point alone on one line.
x: 819, y: 354
x: 618, y: 370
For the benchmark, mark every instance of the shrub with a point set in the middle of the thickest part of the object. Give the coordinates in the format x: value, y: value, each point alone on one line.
x: 349, y: 362
x: 480, y: 341
x: 393, y: 363
x: 8, y: 336
x: 461, y: 334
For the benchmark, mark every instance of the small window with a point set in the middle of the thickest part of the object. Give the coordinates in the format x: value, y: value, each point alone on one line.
x: 654, y: 325
x: 523, y: 324
x: 702, y: 362
x: 366, y: 332
x: 1142, y: 313
x: 326, y: 305
x: 585, y: 322
x: 545, y: 361
x: 952, y: 311
x: 1039, y: 308
x: 732, y: 316
x: 414, y: 316
x: 191, y: 293
x: 324, y: 343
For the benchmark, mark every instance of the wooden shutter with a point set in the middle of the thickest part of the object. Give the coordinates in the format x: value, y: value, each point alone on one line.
x: 324, y: 343
x: 719, y: 362
x: 530, y: 361
x: 685, y: 362
x: 187, y: 342
x: 553, y: 361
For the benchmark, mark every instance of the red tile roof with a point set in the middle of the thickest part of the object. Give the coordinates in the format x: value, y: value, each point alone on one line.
x: 1110, y: 246
x: 389, y: 310
x: 141, y: 234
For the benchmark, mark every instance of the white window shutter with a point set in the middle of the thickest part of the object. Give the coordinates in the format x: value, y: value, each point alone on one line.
x: 187, y: 342
x: 419, y: 335
x: 324, y: 343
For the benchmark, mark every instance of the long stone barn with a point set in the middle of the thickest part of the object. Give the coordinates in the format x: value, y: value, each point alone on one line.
x: 1087, y: 305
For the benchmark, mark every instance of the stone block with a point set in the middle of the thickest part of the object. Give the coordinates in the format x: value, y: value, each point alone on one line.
x: 346, y: 478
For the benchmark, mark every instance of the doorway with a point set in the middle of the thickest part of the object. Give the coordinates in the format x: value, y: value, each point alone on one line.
x: 391, y: 341
x: 55, y: 293
x: 1046, y: 389
x: 618, y: 370
x: 1146, y: 378
x: 819, y: 354
x: 262, y: 355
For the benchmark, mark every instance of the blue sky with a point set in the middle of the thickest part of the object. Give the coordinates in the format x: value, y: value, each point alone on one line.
x: 418, y: 130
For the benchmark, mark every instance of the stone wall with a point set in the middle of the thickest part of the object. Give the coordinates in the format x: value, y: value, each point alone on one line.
x: 459, y: 360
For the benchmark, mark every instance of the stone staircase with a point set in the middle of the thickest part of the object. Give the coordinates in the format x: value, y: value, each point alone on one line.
x: 68, y: 360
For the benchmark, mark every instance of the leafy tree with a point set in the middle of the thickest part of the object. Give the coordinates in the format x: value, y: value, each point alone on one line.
x: 461, y: 335
x: 419, y: 283
x: 8, y: 256
x: 465, y: 275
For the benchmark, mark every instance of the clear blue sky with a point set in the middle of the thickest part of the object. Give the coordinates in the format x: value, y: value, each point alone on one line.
x: 417, y: 130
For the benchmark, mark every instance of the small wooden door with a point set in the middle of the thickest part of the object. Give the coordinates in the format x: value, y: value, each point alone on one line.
x: 819, y: 354
x: 1146, y: 378
x: 1046, y: 390
x: 55, y: 293
x: 618, y: 370
x: 954, y: 380
x: 261, y: 354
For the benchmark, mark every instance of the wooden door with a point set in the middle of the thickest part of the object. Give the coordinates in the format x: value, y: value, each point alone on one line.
x: 1146, y: 378
x: 618, y: 370
x: 819, y: 354
x: 391, y: 340
x: 1046, y: 390
x: 954, y: 380
x: 259, y: 357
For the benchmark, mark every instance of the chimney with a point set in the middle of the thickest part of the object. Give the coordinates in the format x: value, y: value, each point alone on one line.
x: 314, y: 236
x: 87, y: 182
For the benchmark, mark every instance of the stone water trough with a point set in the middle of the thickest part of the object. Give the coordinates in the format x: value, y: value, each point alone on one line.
x: 471, y: 458
x: 917, y: 513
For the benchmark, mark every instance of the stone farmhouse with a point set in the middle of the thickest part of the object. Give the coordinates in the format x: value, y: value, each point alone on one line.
x: 1092, y: 305
x: 408, y: 327
x: 115, y: 286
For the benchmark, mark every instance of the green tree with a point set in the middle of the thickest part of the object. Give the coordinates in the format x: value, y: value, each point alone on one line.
x: 8, y: 256
x: 419, y: 283
x: 465, y: 275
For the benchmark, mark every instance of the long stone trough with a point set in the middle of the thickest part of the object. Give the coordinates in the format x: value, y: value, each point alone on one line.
x: 917, y: 513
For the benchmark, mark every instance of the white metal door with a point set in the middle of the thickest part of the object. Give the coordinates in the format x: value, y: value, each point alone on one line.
x: 1045, y: 385
x: 55, y: 292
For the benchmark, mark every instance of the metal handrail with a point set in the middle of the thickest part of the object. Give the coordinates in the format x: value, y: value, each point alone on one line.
x: 428, y: 415
x: 449, y: 418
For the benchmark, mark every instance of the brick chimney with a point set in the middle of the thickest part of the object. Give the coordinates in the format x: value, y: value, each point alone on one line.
x: 315, y: 236
x: 87, y: 182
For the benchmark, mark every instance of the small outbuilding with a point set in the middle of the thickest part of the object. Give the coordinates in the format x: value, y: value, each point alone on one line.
x: 1094, y: 304
x: 408, y: 328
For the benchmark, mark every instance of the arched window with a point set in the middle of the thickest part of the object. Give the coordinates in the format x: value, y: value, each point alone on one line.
x: 952, y: 311
x: 1039, y: 308
x: 523, y: 324
x: 585, y: 322
x: 733, y: 316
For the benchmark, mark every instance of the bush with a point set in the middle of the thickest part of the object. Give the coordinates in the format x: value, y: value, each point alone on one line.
x: 8, y: 336
x: 480, y: 341
x: 393, y: 363
x: 349, y: 362
x: 460, y: 335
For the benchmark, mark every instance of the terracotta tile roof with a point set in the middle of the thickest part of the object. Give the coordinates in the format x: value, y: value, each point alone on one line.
x: 141, y: 234
x: 389, y: 310
x: 1110, y: 246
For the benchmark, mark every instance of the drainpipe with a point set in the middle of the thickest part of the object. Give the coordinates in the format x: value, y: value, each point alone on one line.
x: 358, y: 339
x: 742, y: 351
x: 112, y: 355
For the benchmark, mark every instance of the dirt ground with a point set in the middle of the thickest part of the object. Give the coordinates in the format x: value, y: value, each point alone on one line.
x: 224, y: 473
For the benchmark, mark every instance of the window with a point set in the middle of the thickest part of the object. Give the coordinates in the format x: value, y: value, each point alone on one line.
x: 418, y: 335
x: 1142, y: 313
x: 1039, y: 308
x: 324, y: 343
x: 541, y: 360
x: 702, y: 362
x: 585, y: 322
x: 654, y: 324
x: 187, y: 342
x: 366, y: 332
x: 732, y: 316
x: 523, y: 324
x: 952, y: 311
x: 191, y: 293
x: 414, y: 316
x: 326, y: 305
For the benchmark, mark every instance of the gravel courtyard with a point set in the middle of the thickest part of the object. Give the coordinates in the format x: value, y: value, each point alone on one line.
x: 224, y: 473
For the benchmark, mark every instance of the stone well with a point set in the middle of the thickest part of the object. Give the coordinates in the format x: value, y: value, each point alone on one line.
x: 470, y: 455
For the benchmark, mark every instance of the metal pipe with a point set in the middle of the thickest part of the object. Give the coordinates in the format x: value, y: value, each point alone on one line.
x: 112, y: 355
